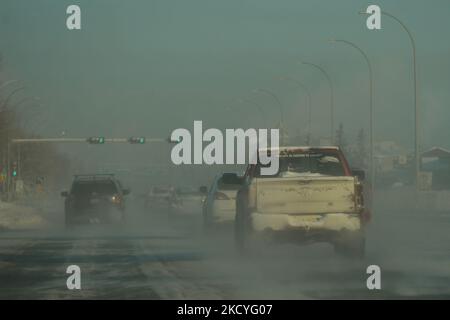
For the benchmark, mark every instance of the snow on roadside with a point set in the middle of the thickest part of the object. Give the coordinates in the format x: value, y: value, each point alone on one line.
x: 19, y: 217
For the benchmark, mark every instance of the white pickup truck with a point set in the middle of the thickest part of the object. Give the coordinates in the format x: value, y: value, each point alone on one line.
x: 313, y: 197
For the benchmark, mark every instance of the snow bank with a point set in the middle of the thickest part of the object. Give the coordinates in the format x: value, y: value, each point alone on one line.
x: 13, y: 217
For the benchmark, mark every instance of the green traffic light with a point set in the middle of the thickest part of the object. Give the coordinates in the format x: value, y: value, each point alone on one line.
x: 14, y: 173
x: 96, y: 140
x: 136, y: 140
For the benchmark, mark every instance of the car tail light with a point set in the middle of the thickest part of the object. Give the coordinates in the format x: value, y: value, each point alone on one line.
x: 116, y: 199
x: 221, y: 196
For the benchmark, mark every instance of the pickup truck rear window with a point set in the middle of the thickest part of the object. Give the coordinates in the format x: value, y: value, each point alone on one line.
x: 304, y: 164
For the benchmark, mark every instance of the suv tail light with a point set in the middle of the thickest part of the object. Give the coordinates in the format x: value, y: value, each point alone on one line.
x: 116, y: 199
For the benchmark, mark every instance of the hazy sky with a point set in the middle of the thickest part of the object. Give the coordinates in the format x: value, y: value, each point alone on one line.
x: 146, y: 67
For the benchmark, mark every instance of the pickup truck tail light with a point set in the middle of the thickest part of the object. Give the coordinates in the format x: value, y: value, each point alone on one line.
x: 359, y: 194
x: 221, y: 196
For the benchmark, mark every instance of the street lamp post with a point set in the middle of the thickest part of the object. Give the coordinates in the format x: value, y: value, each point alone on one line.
x: 308, y: 95
x: 232, y: 109
x: 330, y: 83
x: 5, y: 104
x: 24, y: 100
x: 270, y: 93
x: 371, y: 136
x: 260, y: 109
x: 416, y: 106
x: 280, y: 105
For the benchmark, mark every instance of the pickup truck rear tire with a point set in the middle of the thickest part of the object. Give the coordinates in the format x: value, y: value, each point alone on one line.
x: 351, y: 245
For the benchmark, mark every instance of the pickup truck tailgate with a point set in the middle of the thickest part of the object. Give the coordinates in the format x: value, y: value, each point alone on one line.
x: 305, y: 195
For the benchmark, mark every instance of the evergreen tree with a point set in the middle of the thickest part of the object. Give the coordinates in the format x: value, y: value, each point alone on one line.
x: 340, y: 137
x: 360, y: 152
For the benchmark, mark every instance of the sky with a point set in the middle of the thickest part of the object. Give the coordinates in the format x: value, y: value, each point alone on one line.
x: 145, y: 68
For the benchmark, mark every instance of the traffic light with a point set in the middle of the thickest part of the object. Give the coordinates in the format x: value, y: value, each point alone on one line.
x: 14, y: 170
x: 136, y: 140
x: 96, y: 140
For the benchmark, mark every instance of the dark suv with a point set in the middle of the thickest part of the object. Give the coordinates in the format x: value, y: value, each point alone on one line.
x: 94, y: 198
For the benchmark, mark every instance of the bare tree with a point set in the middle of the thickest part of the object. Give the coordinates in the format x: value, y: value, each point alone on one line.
x: 36, y: 160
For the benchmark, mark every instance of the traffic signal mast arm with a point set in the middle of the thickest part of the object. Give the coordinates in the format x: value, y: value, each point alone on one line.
x: 92, y: 140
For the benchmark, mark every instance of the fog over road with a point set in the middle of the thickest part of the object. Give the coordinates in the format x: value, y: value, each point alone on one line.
x: 154, y: 258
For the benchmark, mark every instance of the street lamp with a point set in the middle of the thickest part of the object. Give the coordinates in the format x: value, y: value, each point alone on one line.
x: 260, y: 109
x: 416, y: 107
x: 272, y: 94
x: 308, y: 95
x: 280, y: 106
x: 24, y: 100
x: 232, y: 109
x: 10, y: 96
x: 371, y: 136
x: 330, y: 83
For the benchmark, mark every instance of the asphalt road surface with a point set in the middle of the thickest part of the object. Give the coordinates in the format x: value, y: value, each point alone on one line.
x: 154, y: 258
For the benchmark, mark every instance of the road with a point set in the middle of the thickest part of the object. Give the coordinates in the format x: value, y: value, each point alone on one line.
x: 153, y: 258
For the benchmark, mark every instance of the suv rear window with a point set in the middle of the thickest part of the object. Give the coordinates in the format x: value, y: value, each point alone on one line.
x: 223, y: 186
x: 81, y: 188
